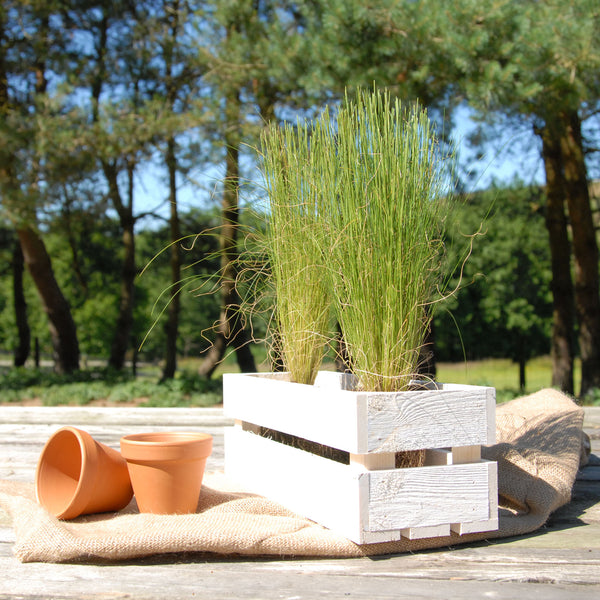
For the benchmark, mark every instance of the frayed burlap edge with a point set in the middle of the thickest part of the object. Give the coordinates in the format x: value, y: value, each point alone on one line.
x: 539, y: 449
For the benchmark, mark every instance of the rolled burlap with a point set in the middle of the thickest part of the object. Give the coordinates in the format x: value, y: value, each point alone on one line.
x: 539, y: 450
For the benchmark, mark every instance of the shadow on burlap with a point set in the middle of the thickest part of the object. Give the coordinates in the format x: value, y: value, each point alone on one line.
x: 540, y: 445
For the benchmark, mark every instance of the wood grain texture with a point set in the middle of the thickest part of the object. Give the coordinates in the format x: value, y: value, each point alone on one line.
x: 359, y: 422
x: 465, y: 454
x: 364, y: 505
x: 429, y: 496
x: 318, y: 488
x: 428, y: 419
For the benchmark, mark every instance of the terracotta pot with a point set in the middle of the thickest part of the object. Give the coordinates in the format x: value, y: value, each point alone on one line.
x: 166, y: 469
x: 76, y: 475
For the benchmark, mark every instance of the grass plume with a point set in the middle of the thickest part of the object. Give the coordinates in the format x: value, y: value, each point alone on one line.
x: 357, y: 206
x: 388, y: 213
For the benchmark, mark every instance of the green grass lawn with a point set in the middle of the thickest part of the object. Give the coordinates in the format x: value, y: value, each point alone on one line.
x: 101, y: 386
x: 503, y: 374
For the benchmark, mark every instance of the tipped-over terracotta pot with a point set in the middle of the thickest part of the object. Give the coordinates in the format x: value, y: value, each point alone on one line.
x: 76, y: 475
x: 166, y: 469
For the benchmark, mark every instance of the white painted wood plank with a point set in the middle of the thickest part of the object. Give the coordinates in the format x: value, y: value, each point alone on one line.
x: 426, y: 496
x: 490, y: 403
x: 358, y: 422
x: 335, y: 495
x: 491, y: 416
x: 427, y: 419
x: 475, y: 527
x: 419, y: 533
x: 374, y: 537
x: 466, y: 454
x: 333, y: 380
x: 490, y: 524
x: 323, y: 415
x: 317, y: 488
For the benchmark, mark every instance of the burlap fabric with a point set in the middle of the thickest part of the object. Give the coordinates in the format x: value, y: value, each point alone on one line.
x: 539, y: 449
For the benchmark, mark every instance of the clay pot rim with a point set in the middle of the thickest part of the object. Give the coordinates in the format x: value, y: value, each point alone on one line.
x: 166, y: 445
x: 89, y: 455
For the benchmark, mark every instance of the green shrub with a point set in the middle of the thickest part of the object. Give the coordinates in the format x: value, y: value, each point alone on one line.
x: 83, y: 387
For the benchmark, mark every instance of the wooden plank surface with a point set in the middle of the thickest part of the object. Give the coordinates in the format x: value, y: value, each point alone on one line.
x: 561, y: 561
x: 328, y: 415
x: 361, y: 422
x: 287, y: 481
x: 429, y: 496
x: 460, y: 416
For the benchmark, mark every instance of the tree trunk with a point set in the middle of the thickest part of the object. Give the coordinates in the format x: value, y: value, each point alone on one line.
x: 522, y: 379
x: 62, y: 326
x: 585, y: 251
x: 172, y: 325
x: 230, y: 331
x: 24, y: 346
x: 71, y: 239
x: 124, y: 323
x: 562, y: 341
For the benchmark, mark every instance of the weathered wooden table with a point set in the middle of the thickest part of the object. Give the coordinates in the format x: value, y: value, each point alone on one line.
x: 560, y: 561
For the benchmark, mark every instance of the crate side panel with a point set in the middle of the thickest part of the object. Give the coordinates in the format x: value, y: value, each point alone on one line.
x: 490, y: 524
x: 326, y: 415
x: 429, y: 419
x: 360, y: 422
x: 429, y: 496
x: 314, y: 487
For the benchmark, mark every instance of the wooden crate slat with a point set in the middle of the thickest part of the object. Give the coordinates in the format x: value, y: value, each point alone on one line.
x: 302, y: 482
x: 419, y: 533
x: 466, y: 454
x: 327, y: 416
x: 354, y: 502
x: 374, y: 462
x: 438, y: 456
x: 362, y: 423
x: 422, y: 497
x: 427, y: 419
x: 490, y: 524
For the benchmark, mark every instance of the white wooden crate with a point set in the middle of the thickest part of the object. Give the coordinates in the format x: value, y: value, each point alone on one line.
x: 367, y: 500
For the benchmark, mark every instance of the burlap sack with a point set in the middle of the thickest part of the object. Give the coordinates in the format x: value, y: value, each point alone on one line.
x: 539, y: 447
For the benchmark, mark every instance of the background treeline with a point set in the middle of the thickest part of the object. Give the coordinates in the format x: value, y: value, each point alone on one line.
x: 502, y: 307
x: 128, y: 125
x: 87, y: 263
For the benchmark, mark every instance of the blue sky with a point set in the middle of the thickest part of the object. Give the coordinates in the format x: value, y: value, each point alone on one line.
x: 514, y: 154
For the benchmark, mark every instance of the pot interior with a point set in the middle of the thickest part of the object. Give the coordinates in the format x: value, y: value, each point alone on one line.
x: 59, y: 472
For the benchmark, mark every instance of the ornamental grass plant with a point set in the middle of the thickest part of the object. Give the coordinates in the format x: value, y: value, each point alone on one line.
x: 296, y: 161
x: 387, y: 209
x: 357, y: 206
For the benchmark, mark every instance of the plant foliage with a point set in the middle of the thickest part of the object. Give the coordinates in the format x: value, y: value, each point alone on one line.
x: 357, y: 211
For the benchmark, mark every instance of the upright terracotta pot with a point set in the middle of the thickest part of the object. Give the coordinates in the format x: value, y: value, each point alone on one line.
x: 77, y: 475
x: 166, y: 469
